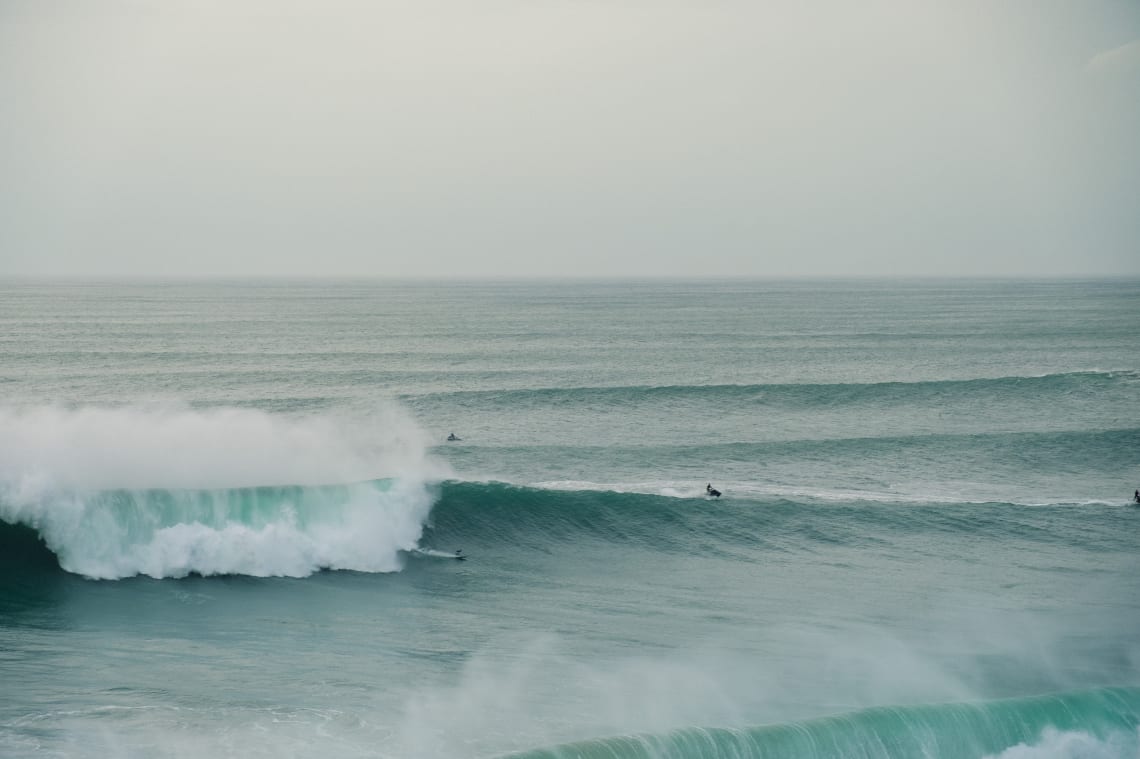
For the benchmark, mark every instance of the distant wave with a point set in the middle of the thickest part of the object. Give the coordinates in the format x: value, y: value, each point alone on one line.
x: 1100, y: 724
x: 1050, y: 451
x: 791, y: 395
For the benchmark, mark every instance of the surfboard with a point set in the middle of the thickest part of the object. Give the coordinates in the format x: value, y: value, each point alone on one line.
x: 433, y: 553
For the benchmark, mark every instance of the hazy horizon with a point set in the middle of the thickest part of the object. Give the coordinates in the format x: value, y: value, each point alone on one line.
x: 509, y: 140
x: 813, y: 279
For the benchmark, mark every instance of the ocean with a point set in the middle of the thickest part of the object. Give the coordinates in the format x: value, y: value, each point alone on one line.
x: 229, y: 518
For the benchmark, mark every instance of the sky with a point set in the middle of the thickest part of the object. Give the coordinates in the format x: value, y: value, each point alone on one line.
x: 569, y: 138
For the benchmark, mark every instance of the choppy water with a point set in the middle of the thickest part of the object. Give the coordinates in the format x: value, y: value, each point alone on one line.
x: 228, y: 511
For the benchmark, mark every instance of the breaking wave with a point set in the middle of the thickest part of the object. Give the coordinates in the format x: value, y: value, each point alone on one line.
x: 1099, y: 724
x: 166, y: 492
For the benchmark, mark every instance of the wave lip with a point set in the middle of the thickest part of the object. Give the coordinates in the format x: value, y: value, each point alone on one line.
x: 1101, y: 722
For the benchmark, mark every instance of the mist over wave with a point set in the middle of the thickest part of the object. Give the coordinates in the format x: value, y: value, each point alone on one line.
x: 163, y: 446
x: 165, y: 492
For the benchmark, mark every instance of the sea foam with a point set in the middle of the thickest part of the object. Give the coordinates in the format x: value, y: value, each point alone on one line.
x: 166, y: 492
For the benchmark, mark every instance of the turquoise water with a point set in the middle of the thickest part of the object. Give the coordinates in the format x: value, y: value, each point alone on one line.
x: 228, y: 513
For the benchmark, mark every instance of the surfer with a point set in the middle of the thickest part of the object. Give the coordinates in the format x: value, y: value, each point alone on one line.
x: 711, y: 491
x: 1136, y: 496
x: 452, y: 437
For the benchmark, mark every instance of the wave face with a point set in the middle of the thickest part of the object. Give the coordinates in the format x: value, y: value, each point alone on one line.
x: 1101, y: 724
x: 117, y: 492
x: 683, y: 521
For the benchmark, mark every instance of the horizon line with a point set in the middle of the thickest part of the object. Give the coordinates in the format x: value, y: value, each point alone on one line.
x: 555, y: 278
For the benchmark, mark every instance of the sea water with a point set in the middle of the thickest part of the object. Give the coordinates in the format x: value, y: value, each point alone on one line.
x: 228, y: 512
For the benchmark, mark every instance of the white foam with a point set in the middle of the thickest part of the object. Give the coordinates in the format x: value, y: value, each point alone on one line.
x: 1075, y: 744
x: 364, y: 532
x: 57, y: 464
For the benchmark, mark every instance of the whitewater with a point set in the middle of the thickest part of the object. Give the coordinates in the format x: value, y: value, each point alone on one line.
x: 229, y: 512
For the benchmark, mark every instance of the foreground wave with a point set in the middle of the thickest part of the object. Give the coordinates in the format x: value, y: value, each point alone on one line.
x: 1098, y: 723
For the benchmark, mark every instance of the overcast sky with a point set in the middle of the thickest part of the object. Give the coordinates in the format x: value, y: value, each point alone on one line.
x: 467, y: 138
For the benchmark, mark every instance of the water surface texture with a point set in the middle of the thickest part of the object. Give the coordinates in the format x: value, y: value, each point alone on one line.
x: 229, y: 514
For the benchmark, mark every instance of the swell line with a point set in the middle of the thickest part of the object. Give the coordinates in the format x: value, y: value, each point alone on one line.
x: 793, y: 394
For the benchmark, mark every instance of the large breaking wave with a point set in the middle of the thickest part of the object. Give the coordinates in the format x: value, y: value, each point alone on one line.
x: 166, y: 492
x: 271, y: 531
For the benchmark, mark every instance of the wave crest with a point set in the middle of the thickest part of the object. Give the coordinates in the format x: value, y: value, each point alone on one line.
x: 1099, y: 723
x: 120, y: 491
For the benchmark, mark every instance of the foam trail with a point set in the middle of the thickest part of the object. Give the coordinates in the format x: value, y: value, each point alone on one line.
x: 164, y: 492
